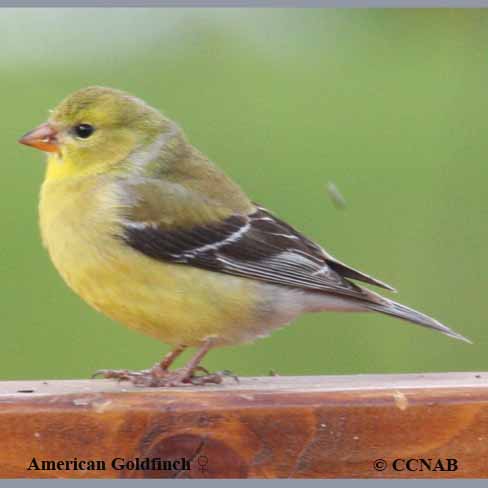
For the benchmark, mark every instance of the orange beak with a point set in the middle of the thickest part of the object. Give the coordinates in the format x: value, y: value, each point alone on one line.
x: 43, y: 137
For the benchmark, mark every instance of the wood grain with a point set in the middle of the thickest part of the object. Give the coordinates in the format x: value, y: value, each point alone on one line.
x: 303, y: 427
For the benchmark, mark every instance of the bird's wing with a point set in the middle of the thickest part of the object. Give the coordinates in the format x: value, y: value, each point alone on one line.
x: 257, y: 245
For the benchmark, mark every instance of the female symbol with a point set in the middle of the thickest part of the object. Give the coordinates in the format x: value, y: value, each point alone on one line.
x: 202, y: 462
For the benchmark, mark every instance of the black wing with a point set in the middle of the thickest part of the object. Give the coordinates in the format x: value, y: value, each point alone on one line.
x: 257, y: 246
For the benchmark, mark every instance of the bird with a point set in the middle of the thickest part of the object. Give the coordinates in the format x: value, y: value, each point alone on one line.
x: 150, y: 232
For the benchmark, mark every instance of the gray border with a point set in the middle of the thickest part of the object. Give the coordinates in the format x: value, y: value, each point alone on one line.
x: 249, y: 3
x: 209, y: 483
x: 256, y: 4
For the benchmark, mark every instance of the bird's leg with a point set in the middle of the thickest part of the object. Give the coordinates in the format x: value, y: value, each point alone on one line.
x: 167, y: 361
x: 160, y: 370
x: 160, y: 376
x: 186, y: 373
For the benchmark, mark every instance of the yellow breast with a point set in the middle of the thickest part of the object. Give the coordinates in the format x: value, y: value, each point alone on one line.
x: 178, y: 304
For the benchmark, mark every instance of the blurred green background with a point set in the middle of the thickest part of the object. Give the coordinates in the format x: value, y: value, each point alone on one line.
x: 390, y: 105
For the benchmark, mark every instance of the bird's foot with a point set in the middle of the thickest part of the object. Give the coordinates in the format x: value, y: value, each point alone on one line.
x: 207, y: 377
x: 159, y: 377
x: 140, y: 378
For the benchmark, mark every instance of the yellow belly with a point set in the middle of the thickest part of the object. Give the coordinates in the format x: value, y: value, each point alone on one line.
x: 174, y: 303
x: 177, y: 304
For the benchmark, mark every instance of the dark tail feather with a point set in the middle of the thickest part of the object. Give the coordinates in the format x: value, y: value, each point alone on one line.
x: 389, y: 307
x: 355, y: 274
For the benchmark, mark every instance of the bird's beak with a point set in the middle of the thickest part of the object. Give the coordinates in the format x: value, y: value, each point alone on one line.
x: 43, y: 137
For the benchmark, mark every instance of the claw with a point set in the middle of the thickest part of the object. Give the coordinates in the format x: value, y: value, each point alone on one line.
x: 213, y: 378
x: 120, y: 374
x: 201, y: 368
x: 230, y: 374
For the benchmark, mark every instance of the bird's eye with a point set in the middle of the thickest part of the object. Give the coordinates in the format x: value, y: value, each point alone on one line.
x: 84, y: 130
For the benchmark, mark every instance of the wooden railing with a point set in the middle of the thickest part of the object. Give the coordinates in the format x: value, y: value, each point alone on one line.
x: 425, y: 425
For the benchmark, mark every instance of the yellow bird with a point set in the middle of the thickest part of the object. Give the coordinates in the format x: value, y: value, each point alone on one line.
x: 151, y: 233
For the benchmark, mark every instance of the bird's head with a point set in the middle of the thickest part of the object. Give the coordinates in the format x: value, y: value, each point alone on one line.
x: 95, y: 128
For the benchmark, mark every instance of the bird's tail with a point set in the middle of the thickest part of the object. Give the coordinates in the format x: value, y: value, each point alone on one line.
x: 389, y: 307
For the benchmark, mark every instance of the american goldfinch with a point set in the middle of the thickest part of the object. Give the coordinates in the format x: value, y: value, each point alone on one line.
x: 151, y: 233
